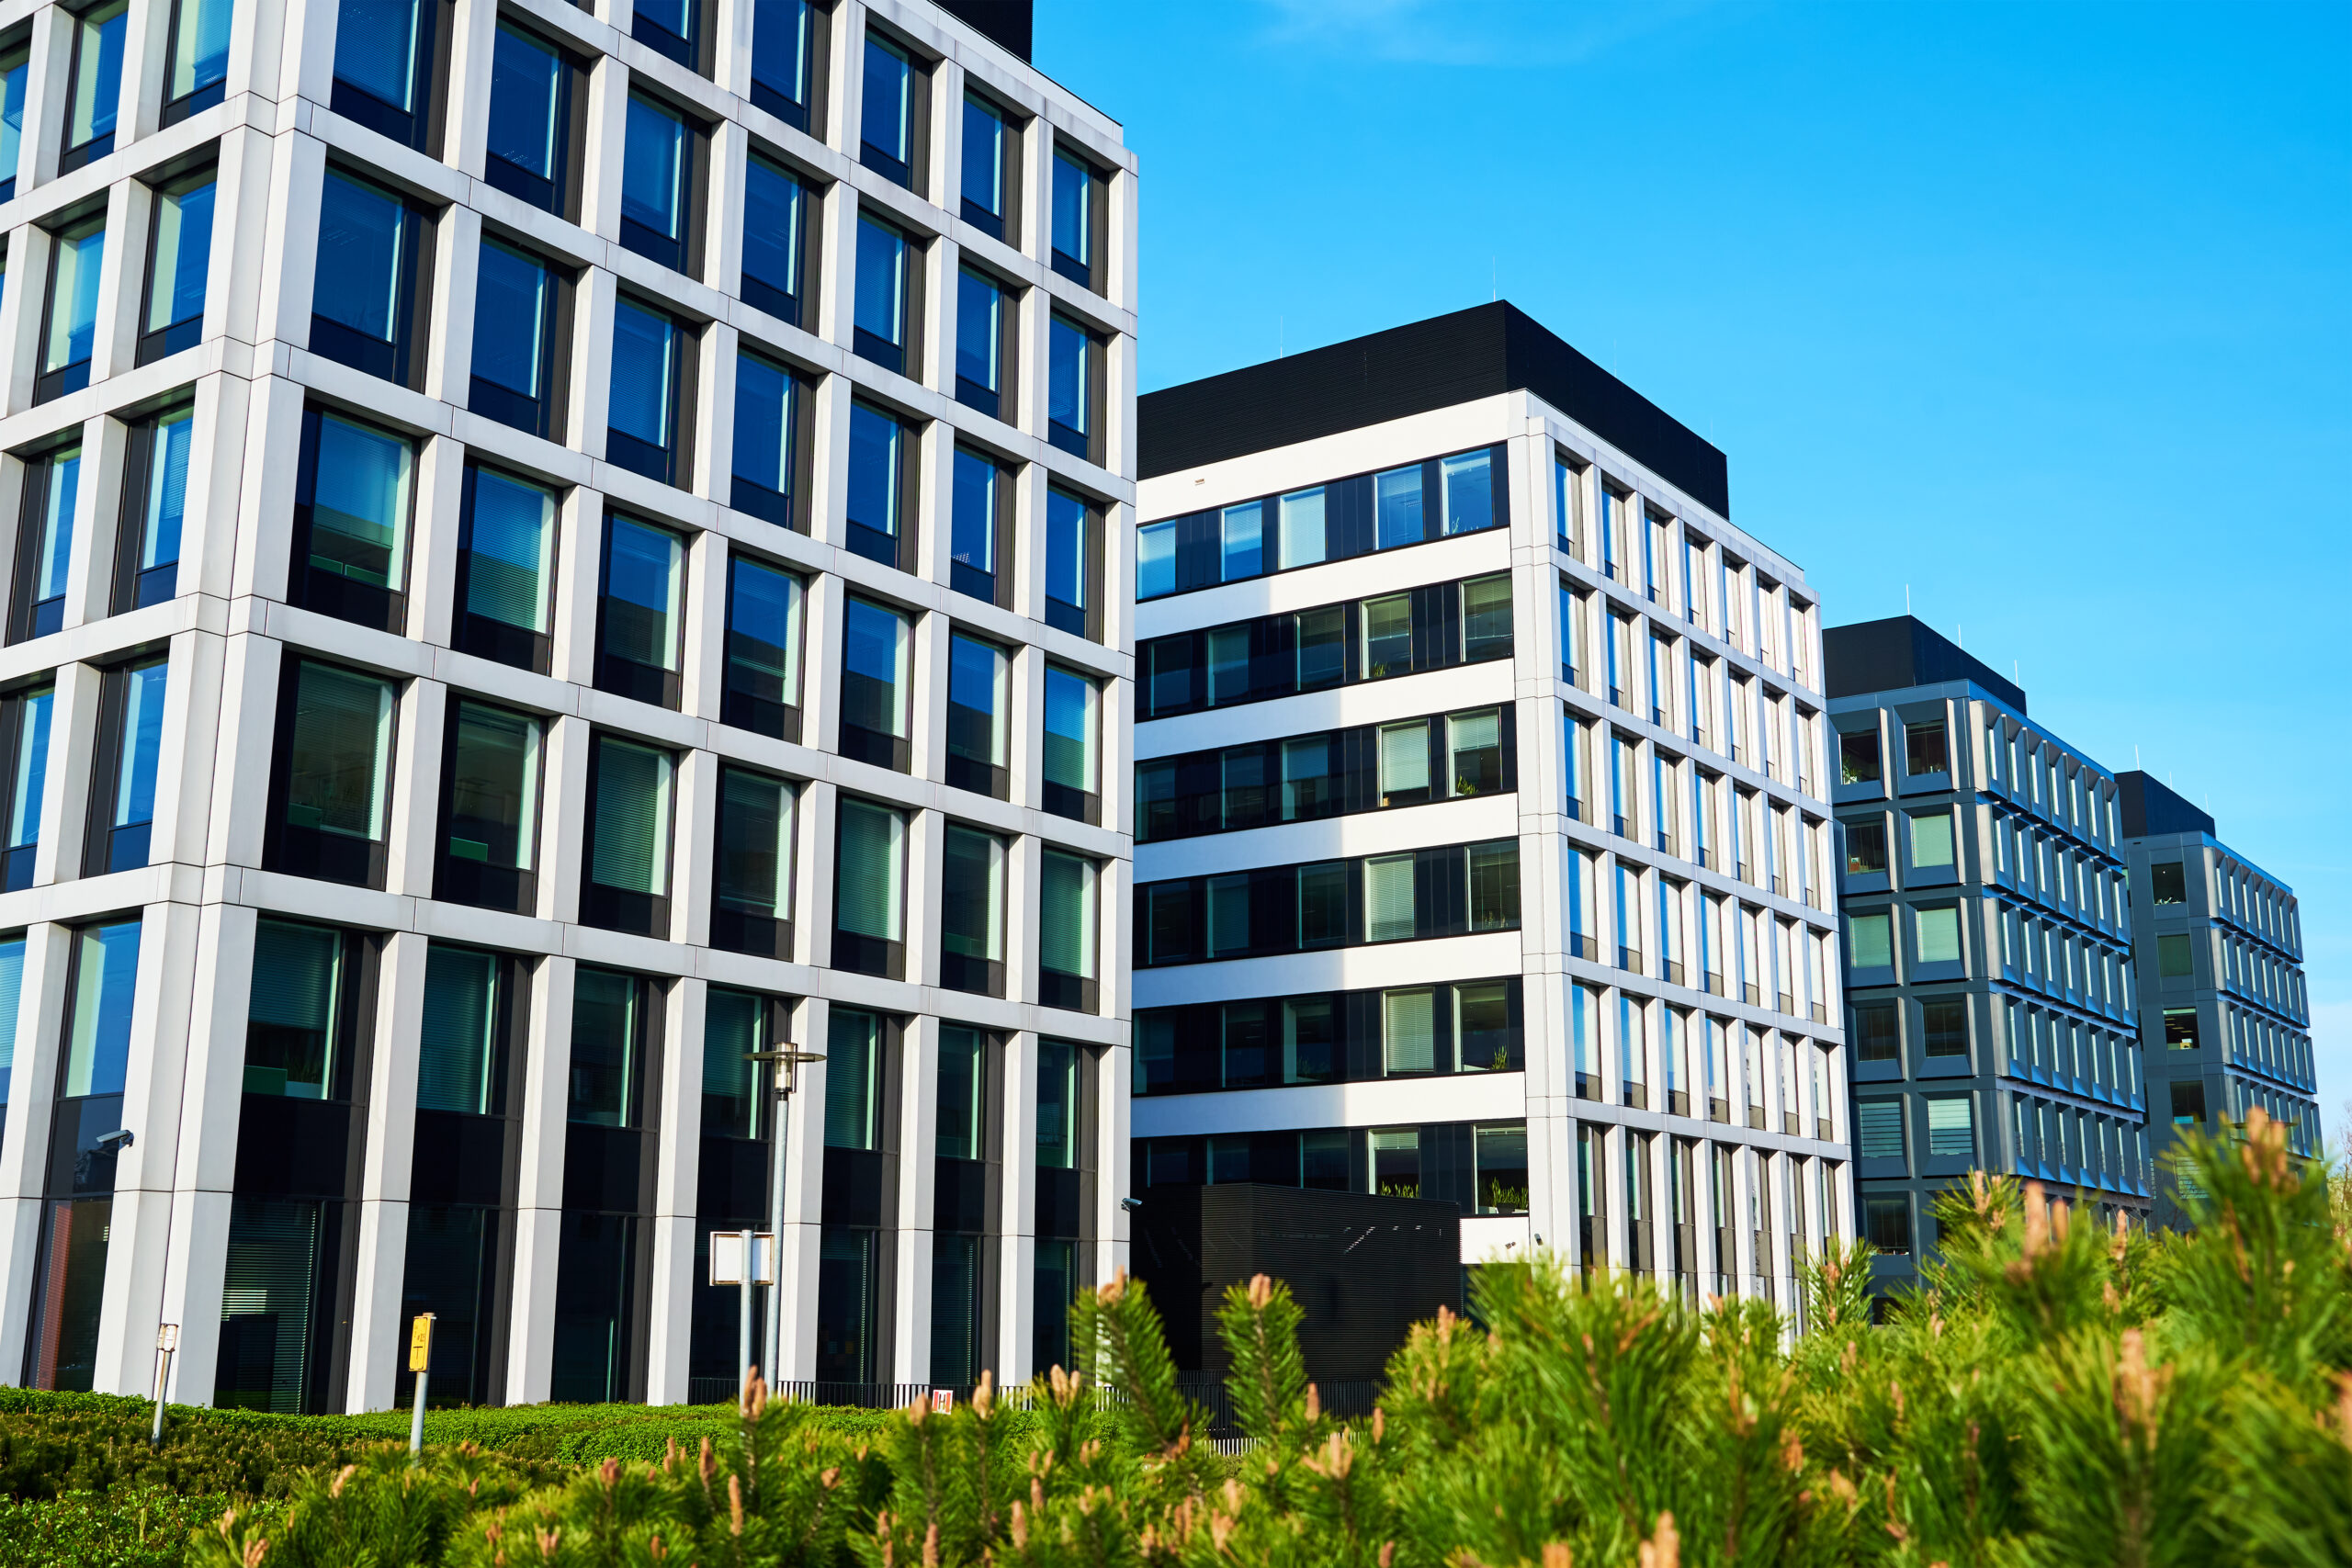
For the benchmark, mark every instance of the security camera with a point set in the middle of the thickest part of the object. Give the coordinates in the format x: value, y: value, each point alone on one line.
x: 114, y: 1143
x: 1131, y: 1206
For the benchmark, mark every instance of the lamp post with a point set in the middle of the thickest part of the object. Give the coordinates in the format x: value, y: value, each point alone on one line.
x: 167, y: 1339
x: 786, y: 1060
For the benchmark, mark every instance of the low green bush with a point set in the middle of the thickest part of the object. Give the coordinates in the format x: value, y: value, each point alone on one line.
x: 142, y: 1526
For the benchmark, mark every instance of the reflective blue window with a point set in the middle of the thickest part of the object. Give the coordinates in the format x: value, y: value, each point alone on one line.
x: 180, y: 261
x: 1069, y: 390
x: 972, y: 524
x: 13, y: 69
x: 980, y: 338
x: 765, y: 400
x: 530, y: 120
x: 780, y: 58
x: 644, y: 389
x: 656, y: 163
x: 95, y: 86
x: 772, y: 221
x: 886, y: 124
x: 987, y: 139
x: 199, y: 59
x: 510, y: 307
x: 874, y: 480
x: 881, y: 294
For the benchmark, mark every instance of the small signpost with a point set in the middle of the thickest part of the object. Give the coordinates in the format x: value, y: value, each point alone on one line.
x: 420, y: 1361
x: 742, y: 1258
x: 167, y: 1339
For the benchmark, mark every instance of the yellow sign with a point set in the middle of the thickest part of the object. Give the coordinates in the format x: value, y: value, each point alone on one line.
x: 419, y: 1342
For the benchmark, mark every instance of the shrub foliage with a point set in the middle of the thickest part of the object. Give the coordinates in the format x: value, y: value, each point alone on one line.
x: 2052, y: 1394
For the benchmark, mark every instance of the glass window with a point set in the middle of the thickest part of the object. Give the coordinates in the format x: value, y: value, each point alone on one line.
x: 1865, y: 849
x: 1404, y: 763
x: 971, y: 910
x: 1931, y: 841
x: 1923, y: 748
x: 458, y: 1060
x: 2175, y: 959
x: 26, y: 739
x: 881, y: 293
x: 74, y: 304
x: 2167, y: 882
x: 1073, y: 236
x: 763, y: 606
x: 1069, y: 549
x: 178, y: 261
x: 1469, y: 490
x: 655, y: 167
x: 1301, y: 523
x: 1938, y: 935
x: 1396, y: 501
x: 1858, y: 757
x: 963, y: 1093
x: 297, y: 1003
x: 979, y: 704
x: 1396, y: 1162
x: 514, y: 298
x: 1323, y: 904
x: 631, y: 851
x: 987, y: 139
x: 874, y: 470
x: 608, y: 1023
x: 96, y: 84
x: 876, y: 645
x: 1067, y: 925
x: 1483, y: 1035
x: 1058, y: 1105
x: 367, y: 244
x: 1241, y: 551
x: 1387, y: 636
x: 972, y: 526
x: 756, y: 838
x: 49, y: 539
x: 15, y: 67
x: 1485, y: 618
x: 1878, y: 1129
x: 1229, y: 916
x: 643, y: 403
x: 1388, y: 903
x: 781, y: 55
x: 980, y: 308
x: 867, y: 900
x: 1876, y: 1031
x: 1407, y: 1032
x: 1306, y: 782
x: 105, y: 976
x: 376, y: 45
x: 1493, y: 887
x: 529, y: 130
x: 134, y: 706
x: 1474, y: 740
x: 887, y: 125
x: 1069, y: 389
x: 493, y: 785
x: 340, y: 778
x: 509, y: 550
x: 645, y: 582
x: 1228, y: 665
x: 1502, y: 1156
x: 1943, y: 1026
x: 733, y: 1089
x: 772, y: 225
x: 1870, y: 940
x: 1951, y: 1131
x: 1072, y: 705
x: 359, y: 488
x: 1322, y: 636
x: 767, y: 399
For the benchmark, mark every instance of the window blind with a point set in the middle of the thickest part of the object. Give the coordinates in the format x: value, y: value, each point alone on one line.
x: 632, y: 817
x: 1878, y: 1129
x: 1405, y: 757
x: 1066, y: 921
x: 1408, y: 1031
x: 733, y: 1027
x: 853, y: 1047
x: 603, y: 1048
x: 512, y: 538
x: 755, y: 852
x: 456, y: 1050
x: 1388, y: 898
x: 338, y: 780
x: 1951, y: 1127
x: 871, y: 866
x: 266, y: 1303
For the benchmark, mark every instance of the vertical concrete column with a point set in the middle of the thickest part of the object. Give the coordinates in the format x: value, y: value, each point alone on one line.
x: 580, y: 553
x: 715, y: 398
x: 184, y: 779
x: 289, y: 238
x: 1025, y: 741
x: 926, y: 862
x: 927, y: 714
x: 27, y: 247
x: 65, y: 806
x: 47, y: 88
x: 138, y: 1237
x: 273, y: 447
x: 1111, y: 1166
x: 432, y: 544
x: 565, y: 754
x: 821, y: 663
x: 465, y: 136
x: 121, y: 275
x: 803, y: 1163
x: 1017, y: 1226
x: 730, y: 150
x: 934, y: 502
x: 830, y: 401
x: 24, y: 1151
x: 607, y: 141
x: 423, y: 709
x: 589, y: 401
x: 813, y: 905
x: 241, y: 208
x: 703, y: 681
x: 241, y: 759
x: 917, y: 1139
x: 1024, y: 864
x: 215, y: 475
x: 538, y: 1202
x: 378, y: 1333
x: 449, y: 328
x: 695, y: 834
x: 677, y: 1150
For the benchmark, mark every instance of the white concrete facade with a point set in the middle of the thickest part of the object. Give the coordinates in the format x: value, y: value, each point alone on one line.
x: 229, y: 630
x: 1731, y: 922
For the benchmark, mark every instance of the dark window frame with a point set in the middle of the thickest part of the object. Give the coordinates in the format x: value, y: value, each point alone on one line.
x: 49, y: 385
x: 621, y: 909
x: 695, y: 50
x: 308, y: 851
x: 854, y: 740
x: 429, y: 85
x: 17, y: 862
x: 1058, y: 988
x: 174, y: 336
x: 479, y: 635
x: 1004, y: 401
x: 1089, y: 274
x: 74, y: 157
x: 852, y: 950
x: 1065, y: 800
x: 990, y: 779
x: 626, y: 677
x: 105, y: 847
x: 789, y: 512
x: 899, y: 550
x: 196, y: 99
x: 402, y: 360
x: 901, y: 358
x: 478, y: 882
x: 560, y: 194
x: 547, y: 416
x: 29, y: 617
x: 1084, y: 444
x: 959, y: 972
x: 327, y: 593
x: 1187, y: 1042
x: 1084, y: 620
x: 672, y: 465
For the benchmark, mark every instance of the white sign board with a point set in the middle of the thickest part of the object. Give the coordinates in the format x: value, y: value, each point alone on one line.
x: 726, y: 1257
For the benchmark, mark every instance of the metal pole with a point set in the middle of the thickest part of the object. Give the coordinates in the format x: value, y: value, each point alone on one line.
x: 774, y: 1335
x: 416, y: 1418
x: 420, y: 1361
x: 743, y: 1317
x: 162, y: 1380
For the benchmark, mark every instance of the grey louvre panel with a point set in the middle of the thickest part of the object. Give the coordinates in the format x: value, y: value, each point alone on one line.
x: 1411, y: 369
x: 1878, y: 1128
x: 454, y: 1064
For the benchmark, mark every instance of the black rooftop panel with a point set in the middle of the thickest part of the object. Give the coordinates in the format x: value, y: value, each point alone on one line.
x: 1009, y: 22
x: 1412, y: 370
x: 2151, y: 807
x: 1888, y: 655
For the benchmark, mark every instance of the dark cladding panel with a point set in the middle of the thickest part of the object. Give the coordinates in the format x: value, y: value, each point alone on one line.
x: 2148, y: 807
x: 1902, y: 651
x: 1412, y: 370
x: 1009, y: 22
x: 1363, y: 1268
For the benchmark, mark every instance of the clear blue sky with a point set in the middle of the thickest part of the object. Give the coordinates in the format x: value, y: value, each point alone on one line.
x: 2043, y: 311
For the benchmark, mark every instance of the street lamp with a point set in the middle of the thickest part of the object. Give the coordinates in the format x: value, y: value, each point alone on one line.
x: 167, y: 1339
x: 786, y: 1060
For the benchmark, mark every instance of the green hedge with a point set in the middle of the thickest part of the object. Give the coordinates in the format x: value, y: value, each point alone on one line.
x: 135, y: 1527
x: 54, y: 1444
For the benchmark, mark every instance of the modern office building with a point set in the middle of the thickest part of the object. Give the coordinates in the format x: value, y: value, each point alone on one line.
x: 1483, y: 850
x: 560, y: 551
x: 2224, y: 1015
x: 1989, y: 941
